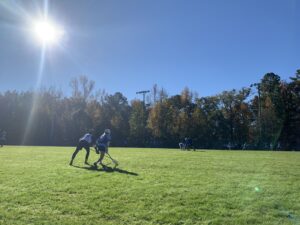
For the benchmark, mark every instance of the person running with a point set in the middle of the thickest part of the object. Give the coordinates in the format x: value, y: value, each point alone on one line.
x: 188, y: 144
x: 102, y: 145
x: 84, y: 142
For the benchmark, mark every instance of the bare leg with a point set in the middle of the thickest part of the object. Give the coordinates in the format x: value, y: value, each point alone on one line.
x: 74, y: 155
x: 100, y: 159
x: 87, y: 155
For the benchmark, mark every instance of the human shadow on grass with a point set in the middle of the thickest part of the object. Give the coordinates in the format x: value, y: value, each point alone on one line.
x: 194, y: 150
x: 107, y: 169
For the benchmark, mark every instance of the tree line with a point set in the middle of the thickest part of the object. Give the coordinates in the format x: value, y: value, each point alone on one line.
x: 265, y: 115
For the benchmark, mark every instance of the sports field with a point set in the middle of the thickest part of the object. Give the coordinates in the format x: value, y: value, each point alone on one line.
x: 150, y: 186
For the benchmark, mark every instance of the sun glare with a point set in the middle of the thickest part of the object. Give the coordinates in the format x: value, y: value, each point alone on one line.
x: 47, y: 32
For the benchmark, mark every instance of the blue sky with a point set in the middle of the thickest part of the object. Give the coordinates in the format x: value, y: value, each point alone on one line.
x: 206, y: 45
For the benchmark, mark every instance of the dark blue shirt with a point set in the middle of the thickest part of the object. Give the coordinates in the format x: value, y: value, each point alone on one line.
x: 104, y: 139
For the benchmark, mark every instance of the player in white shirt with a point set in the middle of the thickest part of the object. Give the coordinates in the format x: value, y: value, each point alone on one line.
x: 84, y: 142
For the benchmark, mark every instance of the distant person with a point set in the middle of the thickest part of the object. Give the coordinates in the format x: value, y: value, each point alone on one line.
x: 278, y: 146
x: 188, y: 142
x: 102, y: 144
x: 181, y: 145
x: 2, y: 138
x: 229, y: 146
x: 244, y: 146
x: 84, y: 142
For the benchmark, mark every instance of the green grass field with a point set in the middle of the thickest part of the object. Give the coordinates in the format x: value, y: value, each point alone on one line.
x: 151, y: 186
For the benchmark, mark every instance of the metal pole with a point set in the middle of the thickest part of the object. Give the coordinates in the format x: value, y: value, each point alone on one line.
x: 144, y: 94
x: 259, y: 113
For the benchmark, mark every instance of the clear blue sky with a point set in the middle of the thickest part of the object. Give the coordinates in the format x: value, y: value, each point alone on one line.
x: 207, y: 45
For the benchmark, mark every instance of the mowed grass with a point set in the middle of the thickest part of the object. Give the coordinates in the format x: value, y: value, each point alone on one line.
x: 151, y: 186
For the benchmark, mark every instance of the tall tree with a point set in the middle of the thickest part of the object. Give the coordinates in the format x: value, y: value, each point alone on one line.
x: 115, y: 115
x: 272, y: 112
x: 80, y: 120
x: 138, y: 124
x: 290, y: 138
x: 235, y: 111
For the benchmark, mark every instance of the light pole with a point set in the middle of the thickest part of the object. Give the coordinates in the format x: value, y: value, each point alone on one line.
x: 144, y: 94
x: 259, y: 109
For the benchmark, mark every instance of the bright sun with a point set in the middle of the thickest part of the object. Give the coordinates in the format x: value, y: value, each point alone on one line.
x: 47, y: 32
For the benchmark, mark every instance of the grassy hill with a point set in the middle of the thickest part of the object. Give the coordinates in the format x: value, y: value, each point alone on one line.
x: 150, y: 186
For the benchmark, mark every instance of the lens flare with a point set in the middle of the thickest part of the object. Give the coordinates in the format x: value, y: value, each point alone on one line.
x: 47, y: 32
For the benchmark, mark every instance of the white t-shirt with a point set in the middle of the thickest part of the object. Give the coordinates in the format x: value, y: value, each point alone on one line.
x: 87, y: 137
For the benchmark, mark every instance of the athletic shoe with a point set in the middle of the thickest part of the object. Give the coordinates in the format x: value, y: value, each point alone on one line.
x: 104, y: 168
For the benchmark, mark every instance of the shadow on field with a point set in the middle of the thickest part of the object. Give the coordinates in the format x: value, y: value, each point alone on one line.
x: 107, y: 169
x: 193, y: 150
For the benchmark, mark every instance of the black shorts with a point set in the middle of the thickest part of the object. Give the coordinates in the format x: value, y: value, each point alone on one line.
x: 83, y: 144
x: 101, y: 148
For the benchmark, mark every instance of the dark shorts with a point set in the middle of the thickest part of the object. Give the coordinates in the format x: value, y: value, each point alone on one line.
x: 83, y: 144
x: 101, y: 148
